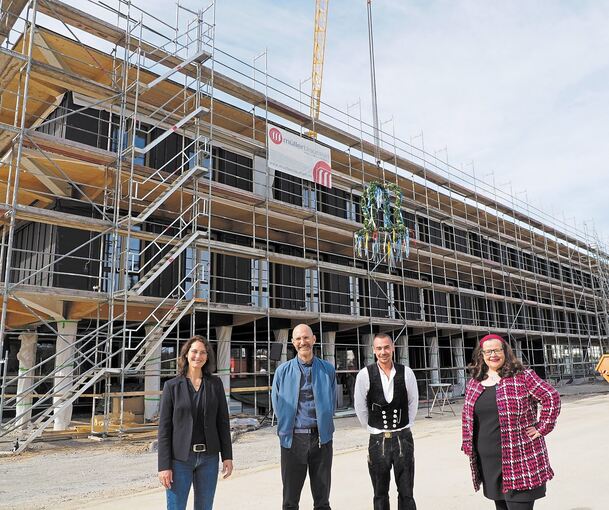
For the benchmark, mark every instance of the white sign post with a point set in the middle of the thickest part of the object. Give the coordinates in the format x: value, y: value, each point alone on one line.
x: 293, y: 155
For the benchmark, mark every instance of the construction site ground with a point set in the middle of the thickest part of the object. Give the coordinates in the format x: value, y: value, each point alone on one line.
x: 121, y: 474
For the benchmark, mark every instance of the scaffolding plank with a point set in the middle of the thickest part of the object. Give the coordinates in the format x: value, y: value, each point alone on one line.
x: 85, y: 21
x: 10, y: 13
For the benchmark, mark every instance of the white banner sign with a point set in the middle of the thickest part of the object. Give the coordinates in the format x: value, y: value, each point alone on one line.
x: 299, y: 157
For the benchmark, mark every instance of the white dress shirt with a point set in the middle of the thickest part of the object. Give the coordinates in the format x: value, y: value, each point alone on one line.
x: 362, y: 386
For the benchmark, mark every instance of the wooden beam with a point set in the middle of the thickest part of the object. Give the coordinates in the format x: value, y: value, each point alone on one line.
x: 79, y: 309
x: 46, y: 305
x: 62, y: 190
x: 48, y: 54
x: 10, y: 68
x: 45, y: 73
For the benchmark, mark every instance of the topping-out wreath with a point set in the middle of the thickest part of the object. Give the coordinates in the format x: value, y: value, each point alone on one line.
x: 384, y: 234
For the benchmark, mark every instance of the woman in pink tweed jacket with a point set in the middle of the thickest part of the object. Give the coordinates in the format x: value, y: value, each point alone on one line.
x: 503, y: 433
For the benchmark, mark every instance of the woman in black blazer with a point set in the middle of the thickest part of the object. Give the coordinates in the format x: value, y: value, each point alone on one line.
x: 194, y: 428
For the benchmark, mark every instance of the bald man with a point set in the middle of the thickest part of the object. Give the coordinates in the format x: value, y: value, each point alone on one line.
x: 304, y: 400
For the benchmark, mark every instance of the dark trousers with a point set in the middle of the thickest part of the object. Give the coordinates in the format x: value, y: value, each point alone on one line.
x: 306, y: 454
x: 514, y: 505
x: 395, y: 451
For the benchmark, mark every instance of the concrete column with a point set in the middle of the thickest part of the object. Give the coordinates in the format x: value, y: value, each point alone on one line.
x: 434, y: 358
x: 518, y: 349
x: 27, y: 359
x: 568, y: 359
x: 224, y: 333
x: 152, y: 373
x: 367, y: 340
x: 402, y: 355
x: 456, y: 342
x: 64, y: 375
x: 329, y: 350
x: 282, y: 335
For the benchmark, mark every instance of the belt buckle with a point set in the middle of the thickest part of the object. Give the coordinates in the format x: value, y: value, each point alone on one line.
x: 198, y: 448
x: 387, y: 435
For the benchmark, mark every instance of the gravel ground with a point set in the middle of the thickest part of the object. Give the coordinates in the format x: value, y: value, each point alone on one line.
x: 62, y: 474
x: 68, y: 474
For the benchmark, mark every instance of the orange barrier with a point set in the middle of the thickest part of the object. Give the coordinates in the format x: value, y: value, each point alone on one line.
x: 603, y: 366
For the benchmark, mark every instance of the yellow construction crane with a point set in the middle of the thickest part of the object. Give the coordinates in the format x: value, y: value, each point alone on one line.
x: 319, y: 47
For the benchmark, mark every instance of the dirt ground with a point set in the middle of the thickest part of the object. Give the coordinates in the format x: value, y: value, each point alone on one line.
x: 67, y: 474
x: 122, y: 474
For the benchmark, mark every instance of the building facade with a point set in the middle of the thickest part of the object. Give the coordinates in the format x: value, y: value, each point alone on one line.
x: 139, y: 209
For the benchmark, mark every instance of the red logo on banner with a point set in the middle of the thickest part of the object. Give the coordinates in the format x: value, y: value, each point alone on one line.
x: 275, y: 136
x: 322, y: 174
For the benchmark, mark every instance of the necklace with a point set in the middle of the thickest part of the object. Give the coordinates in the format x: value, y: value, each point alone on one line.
x: 196, y: 383
x: 493, y: 378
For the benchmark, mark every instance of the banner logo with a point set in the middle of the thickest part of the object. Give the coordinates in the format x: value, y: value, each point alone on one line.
x: 275, y: 136
x: 322, y: 174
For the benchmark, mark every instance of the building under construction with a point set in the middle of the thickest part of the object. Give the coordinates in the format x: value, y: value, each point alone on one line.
x: 138, y: 207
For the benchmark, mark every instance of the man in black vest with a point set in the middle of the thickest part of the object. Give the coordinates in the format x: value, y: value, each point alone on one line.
x: 386, y: 401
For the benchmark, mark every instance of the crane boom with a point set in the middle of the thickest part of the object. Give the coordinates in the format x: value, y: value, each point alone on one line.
x: 319, y: 47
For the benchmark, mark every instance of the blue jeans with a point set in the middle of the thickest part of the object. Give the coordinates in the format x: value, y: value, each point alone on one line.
x: 200, y: 471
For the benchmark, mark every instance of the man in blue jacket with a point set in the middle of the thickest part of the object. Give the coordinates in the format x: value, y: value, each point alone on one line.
x: 304, y: 400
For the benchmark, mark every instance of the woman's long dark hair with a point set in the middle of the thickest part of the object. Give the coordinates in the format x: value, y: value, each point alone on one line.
x: 478, y: 369
x: 210, y: 364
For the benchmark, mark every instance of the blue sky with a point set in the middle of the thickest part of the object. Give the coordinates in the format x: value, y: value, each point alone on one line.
x: 520, y: 88
x: 516, y: 91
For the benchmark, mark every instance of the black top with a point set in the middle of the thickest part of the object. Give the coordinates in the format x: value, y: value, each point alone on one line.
x: 487, y: 441
x: 176, y: 421
x: 385, y: 415
x: 198, y: 413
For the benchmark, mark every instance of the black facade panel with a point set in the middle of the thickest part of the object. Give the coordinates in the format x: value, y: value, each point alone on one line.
x: 287, y: 188
x: 232, y: 279
x: 455, y: 308
x: 423, y: 228
x: 287, y: 287
x: 409, y: 302
x: 233, y: 169
x: 485, y: 248
x: 502, y: 319
x: 335, y: 293
x: 513, y: 257
x: 495, y: 251
x: 461, y: 240
x: 448, y: 233
x: 33, y: 252
x: 467, y: 309
x: 474, y: 244
x: 527, y: 262
x: 333, y: 201
x: 88, y: 126
x: 165, y: 154
x: 166, y: 282
x: 441, y: 306
x: 482, y: 311
x: 435, y: 232
x: 373, y: 298
x: 79, y: 270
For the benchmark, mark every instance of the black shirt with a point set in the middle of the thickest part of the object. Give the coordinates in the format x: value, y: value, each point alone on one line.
x: 198, y: 414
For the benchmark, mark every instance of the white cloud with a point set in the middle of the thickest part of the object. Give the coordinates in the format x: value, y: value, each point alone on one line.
x: 519, y: 87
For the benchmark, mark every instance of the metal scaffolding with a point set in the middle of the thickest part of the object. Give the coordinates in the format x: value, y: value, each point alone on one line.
x: 139, y: 209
